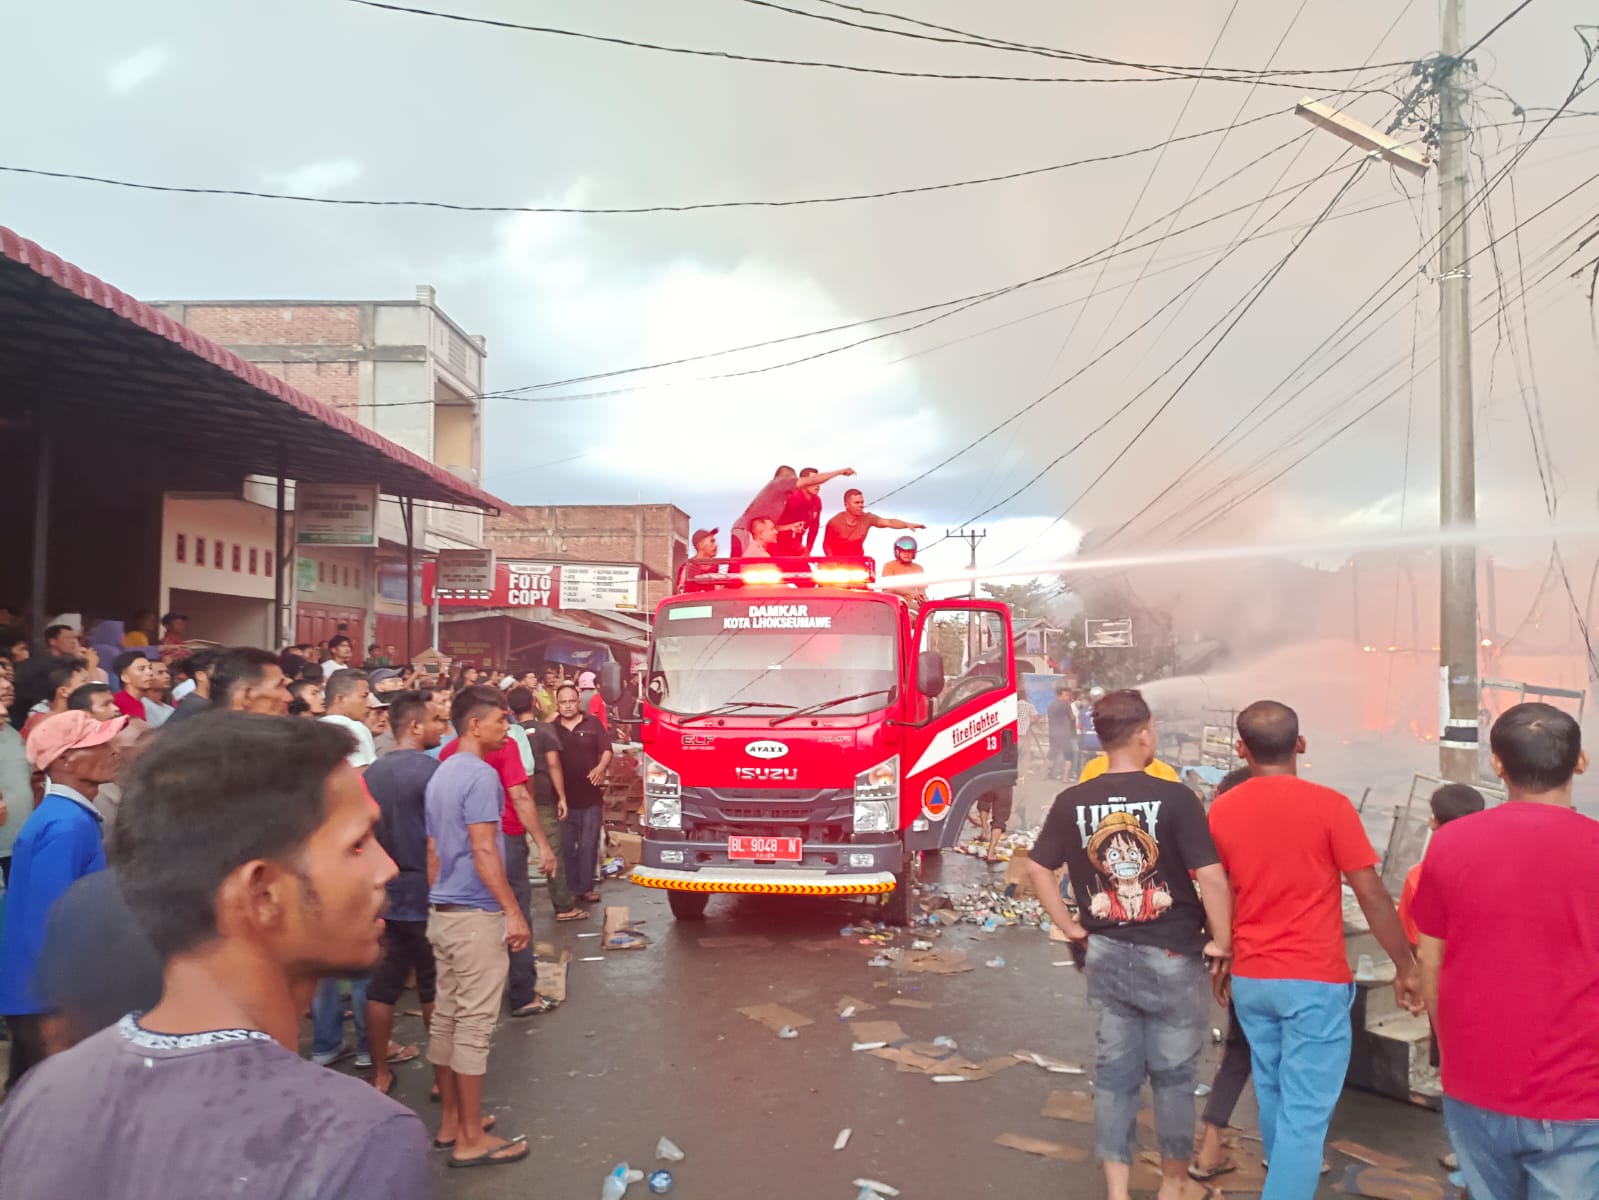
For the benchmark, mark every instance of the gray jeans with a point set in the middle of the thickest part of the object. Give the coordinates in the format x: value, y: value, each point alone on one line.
x: 1151, y: 1009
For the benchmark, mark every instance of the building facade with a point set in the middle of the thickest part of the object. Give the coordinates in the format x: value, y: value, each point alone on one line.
x: 403, y: 369
x: 652, y: 536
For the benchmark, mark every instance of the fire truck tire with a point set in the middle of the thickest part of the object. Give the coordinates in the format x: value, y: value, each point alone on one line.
x: 688, y: 906
x: 897, y: 905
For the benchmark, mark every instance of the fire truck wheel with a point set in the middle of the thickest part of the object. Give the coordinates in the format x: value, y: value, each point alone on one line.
x: 898, y: 903
x: 688, y: 906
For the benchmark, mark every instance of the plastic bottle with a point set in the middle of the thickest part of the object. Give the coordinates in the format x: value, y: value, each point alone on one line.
x: 615, y: 1186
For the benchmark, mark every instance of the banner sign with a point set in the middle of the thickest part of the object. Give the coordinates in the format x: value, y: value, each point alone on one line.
x: 336, y: 514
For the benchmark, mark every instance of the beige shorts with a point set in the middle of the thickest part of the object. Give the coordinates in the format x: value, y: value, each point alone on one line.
x: 470, y: 950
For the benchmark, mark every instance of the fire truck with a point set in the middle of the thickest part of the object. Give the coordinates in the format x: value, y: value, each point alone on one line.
x: 807, y: 731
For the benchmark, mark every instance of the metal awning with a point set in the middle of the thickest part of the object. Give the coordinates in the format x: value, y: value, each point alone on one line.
x: 78, y: 352
x: 577, y: 623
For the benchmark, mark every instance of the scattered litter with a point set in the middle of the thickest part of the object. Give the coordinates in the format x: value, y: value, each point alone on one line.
x: 615, y: 1185
x: 1202, y: 1089
x: 847, y: 1013
x: 938, y: 962
x: 949, y: 1079
x: 619, y: 933
x: 660, y: 1182
x: 775, y: 1017
x: 1380, y: 1184
x: 887, y: 1032
x: 903, y: 1002
x: 882, y: 960
x: 667, y: 1151
x: 875, y: 1188
x: 1046, y: 1149
x: 921, y: 944
x: 584, y: 935
x: 848, y: 1006
x: 1049, y: 1064
x: 1372, y: 1158
x: 788, y: 1031
x: 593, y: 958
x: 1070, y: 1106
x: 944, y: 1043
x: 842, y: 1139
x: 908, y: 1060
x: 859, y: 1046
x: 1067, y: 963
x: 996, y: 962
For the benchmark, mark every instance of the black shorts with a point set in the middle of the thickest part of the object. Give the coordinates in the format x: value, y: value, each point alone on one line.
x: 405, y: 949
x: 997, y: 804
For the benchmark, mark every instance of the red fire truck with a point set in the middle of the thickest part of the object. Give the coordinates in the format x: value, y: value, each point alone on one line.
x: 806, y: 734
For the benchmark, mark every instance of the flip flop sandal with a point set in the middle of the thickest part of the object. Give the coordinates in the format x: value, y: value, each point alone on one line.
x: 539, y: 1004
x: 493, y: 1157
x: 488, y: 1124
x: 575, y: 914
x: 406, y: 1054
x: 590, y: 897
x: 1203, y: 1176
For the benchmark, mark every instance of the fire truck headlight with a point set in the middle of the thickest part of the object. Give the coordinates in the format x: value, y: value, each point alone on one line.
x: 663, y: 796
x: 874, y: 816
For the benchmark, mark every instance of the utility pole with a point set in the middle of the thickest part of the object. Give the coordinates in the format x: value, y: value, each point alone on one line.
x: 971, y: 537
x: 1457, y: 508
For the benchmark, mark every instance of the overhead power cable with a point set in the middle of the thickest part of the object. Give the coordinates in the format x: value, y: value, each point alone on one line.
x: 1078, y: 56
x: 730, y: 55
x: 965, y: 38
x: 632, y: 210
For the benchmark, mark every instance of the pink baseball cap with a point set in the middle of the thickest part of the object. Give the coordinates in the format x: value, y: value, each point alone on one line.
x: 72, y: 730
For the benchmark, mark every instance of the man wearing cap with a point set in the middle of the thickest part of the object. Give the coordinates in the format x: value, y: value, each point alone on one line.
x: 59, y: 843
x: 704, y: 543
x: 386, y: 684
x: 176, y: 627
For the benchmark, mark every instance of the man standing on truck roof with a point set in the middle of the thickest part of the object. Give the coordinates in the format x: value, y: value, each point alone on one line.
x: 846, y: 531
x: 800, y: 522
x: 761, y: 539
x: 773, y: 497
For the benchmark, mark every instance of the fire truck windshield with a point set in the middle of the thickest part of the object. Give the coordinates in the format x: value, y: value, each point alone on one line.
x: 765, y: 656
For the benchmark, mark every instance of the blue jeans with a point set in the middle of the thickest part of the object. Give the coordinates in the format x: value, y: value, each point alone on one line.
x: 327, y: 1017
x: 1516, y: 1158
x: 1299, y: 1039
x: 580, y: 846
x: 1151, y: 1006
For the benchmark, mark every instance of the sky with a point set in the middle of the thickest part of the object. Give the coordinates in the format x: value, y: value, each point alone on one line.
x: 329, y: 98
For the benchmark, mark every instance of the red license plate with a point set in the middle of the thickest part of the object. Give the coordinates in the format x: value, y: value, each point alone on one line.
x: 764, y: 849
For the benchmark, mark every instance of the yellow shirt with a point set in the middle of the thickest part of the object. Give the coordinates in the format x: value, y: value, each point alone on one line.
x: 1095, y: 767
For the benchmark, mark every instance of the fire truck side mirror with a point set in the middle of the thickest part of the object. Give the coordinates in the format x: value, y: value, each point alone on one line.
x: 930, y: 673
x: 611, y: 682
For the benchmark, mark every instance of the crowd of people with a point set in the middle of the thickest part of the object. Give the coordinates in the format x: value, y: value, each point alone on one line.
x: 1171, y: 905
x: 425, y: 812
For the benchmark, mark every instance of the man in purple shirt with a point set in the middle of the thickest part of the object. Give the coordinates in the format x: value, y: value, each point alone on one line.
x: 244, y: 849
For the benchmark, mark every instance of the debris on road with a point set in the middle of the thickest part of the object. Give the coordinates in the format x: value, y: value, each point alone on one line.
x: 667, y: 1151
x: 949, y: 1079
x: 859, y: 1046
x: 848, y: 1006
x: 1380, y: 1184
x: 619, y: 931
x: 842, y: 1139
x: 775, y: 1017
x: 1070, y: 1106
x: 1049, y: 1064
x: 945, y: 1043
x: 938, y: 962
x: 660, y: 1182
x: 1046, y: 1149
x: 787, y: 1032
x: 593, y: 958
x: 887, y: 1032
x: 904, y: 1002
x: 995, y: 962
x: 1372, y: 1158
x: 872, y: 1188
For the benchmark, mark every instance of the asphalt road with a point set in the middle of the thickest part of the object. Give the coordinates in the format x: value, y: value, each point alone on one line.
x: 650, y: 1043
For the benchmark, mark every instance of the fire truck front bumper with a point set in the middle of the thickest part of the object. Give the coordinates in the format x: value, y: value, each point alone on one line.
x: 764, y: 880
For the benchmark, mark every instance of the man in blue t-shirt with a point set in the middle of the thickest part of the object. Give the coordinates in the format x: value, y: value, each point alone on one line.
x: 59, y: 844
x: 474, y: 917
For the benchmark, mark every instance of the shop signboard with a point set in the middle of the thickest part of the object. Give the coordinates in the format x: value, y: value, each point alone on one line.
x: 466, y: 571
x: 516, y: 584
x: 336, y: 514
x: 599, y: 588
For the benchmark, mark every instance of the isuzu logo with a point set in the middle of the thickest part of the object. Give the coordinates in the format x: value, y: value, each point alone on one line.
x: 767, y: 774
x: 766, y: 749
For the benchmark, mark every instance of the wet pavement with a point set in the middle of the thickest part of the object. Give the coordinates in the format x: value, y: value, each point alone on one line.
x: 650, y: 1043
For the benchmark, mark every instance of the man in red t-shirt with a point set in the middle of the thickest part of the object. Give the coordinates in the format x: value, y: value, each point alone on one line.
x: 800, y: 522
x: 1508, y: 910
x: 133, y: 668
x: 1285, y: 843
x: 518, y: 821
x: 846, y: 532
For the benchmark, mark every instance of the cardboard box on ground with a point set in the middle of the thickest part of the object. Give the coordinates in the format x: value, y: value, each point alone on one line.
x: 629, y: 847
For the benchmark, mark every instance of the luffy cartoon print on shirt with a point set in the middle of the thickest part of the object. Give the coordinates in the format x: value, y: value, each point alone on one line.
x: 1130, y: 843
x: 1125, y: 856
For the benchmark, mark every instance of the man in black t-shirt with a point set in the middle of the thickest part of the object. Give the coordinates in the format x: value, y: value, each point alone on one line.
x: 549, y: 794
x: 1134, y: 846
x: 585, y: 758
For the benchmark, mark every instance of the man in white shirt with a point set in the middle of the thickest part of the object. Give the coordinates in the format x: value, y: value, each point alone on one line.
x: 347, y: 693
x: 340, y: 652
